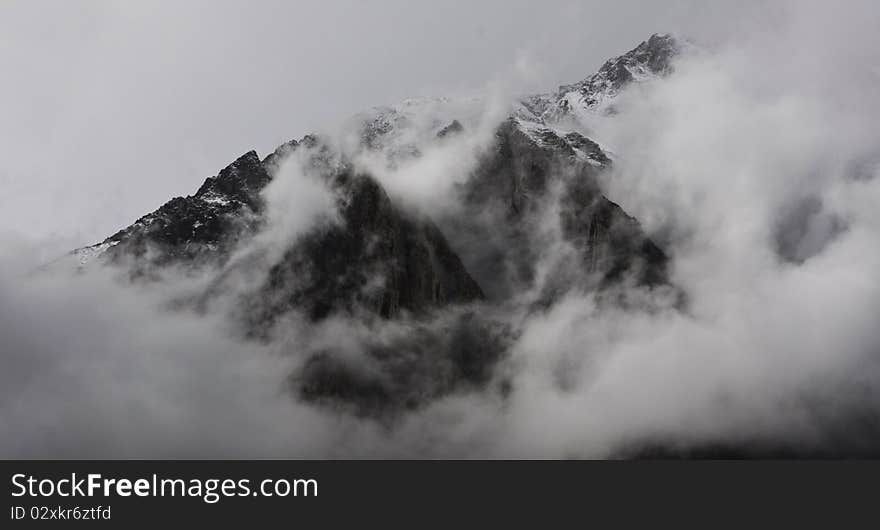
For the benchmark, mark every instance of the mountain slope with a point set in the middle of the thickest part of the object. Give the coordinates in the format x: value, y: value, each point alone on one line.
x: 194, y: 229
x: 528, y: 176
x: 530, y: 223
x: 651, y: 59
x: 378, y: 258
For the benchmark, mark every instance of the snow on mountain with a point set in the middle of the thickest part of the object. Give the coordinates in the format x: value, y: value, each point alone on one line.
x: 532, y: 168
x: 650, y: 60
x: 400, y: 131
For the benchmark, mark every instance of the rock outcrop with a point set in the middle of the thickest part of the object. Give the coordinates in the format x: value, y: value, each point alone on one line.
x: 379, y: 258
x: 378, y: 261
x: 196, y: 229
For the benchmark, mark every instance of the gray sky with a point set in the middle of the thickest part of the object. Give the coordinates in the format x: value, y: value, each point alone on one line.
x: 108, y: 109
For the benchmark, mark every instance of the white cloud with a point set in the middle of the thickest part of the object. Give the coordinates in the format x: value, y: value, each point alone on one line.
x: 712, y: 160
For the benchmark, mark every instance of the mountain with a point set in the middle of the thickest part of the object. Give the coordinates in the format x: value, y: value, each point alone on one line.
x: 532, y: 173
x: 650, y: 60
x: 441, y: 281
x: 379, y: 258
x: 192, y: 229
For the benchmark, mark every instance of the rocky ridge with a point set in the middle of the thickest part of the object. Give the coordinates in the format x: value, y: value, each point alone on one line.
x: 388, y: 262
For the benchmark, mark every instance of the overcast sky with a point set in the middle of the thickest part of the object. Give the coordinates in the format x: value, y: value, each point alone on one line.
x: 758, y: 163
x: 108, y: 109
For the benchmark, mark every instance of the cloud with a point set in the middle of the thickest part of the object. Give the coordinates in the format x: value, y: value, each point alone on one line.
x: 755, y: 165
x: 773, y: 351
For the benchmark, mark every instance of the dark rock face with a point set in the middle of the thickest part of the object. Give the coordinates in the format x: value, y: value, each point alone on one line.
x: 508, y: 196
x: 198, y: 228
x: 422, y: 362
x: 378, y: 258
x: 524, y: 165
x: 612, y: 243
x: 242, y: 180
x: 388, y: 267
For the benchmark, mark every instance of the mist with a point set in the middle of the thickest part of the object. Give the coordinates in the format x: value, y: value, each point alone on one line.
x: 754, y: 165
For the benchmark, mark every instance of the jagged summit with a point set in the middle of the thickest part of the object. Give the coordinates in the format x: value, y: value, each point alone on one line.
x: 651, y: 59
x: 531, y: 147
x: 242, y: 180
x: 378, y: 259
x: 195, y: 228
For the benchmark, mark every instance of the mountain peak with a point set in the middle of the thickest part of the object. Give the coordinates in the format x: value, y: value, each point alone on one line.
x: 654, y: 54
x: 649, y: 60
x: 242, y: 179
x: 378, y: 258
